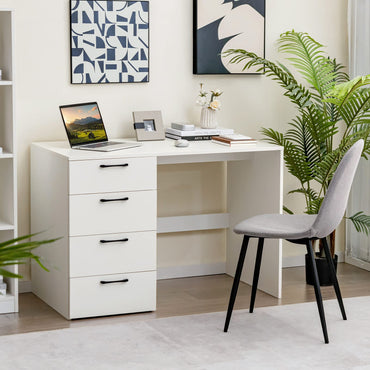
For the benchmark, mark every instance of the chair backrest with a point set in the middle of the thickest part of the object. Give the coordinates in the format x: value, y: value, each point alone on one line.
x: 335, y: 201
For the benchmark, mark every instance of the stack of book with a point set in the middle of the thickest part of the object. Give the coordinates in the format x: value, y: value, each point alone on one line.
x: 197, y: 133
x: 233, y: 139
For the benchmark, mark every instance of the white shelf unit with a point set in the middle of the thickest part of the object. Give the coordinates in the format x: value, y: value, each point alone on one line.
x: 6, y: 83
x: 8, y: 168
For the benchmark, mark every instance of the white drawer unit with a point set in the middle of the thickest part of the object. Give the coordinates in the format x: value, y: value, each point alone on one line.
x: 113, y: 253
x: 113, y: 294
x: 112, y: 212
x: 105, y: 212
x: 112, y: 175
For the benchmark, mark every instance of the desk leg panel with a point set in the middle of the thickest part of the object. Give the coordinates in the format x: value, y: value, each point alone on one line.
x: 254, y: 187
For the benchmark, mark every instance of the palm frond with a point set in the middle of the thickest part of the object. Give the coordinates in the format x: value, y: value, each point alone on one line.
x: 366, y: 151
x: 340, y: 93
x: 310, y: 131
x: 14, y: 253
x: 361, y: 222
x: 273, y: 137
x: 313, y: 207
x: 314, y: 200
x: 299, y: 134
x: 340, y: 75
x: 296, y: 92
x: 307, y: 55
x: 295, y: 160
x: 324, y: 170
x: 287, y: 210
x: 9, y: 274
x: 355, y: 111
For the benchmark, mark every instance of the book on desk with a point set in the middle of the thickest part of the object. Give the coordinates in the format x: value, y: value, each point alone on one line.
x: 233, y: 139
x: 197, y: 134
x: 223, y: 136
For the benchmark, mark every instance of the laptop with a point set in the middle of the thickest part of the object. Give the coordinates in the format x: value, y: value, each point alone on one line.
x: 85, y: 128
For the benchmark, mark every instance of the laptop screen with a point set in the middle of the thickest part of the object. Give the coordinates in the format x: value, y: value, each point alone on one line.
x: 83, y: 123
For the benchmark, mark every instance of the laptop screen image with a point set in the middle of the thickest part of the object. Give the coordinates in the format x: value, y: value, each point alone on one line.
x: 83, y: 123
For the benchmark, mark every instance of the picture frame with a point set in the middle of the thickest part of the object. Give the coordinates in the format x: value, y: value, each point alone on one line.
x: 148, y: 125
x: 109, y: 41
x: 231, y: 24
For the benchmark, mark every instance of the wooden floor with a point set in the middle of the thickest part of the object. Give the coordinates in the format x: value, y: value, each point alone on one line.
x: 189, y: 296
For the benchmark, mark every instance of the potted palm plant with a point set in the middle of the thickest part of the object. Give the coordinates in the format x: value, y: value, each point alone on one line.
x: 17, y: 251
x: 329, y: 106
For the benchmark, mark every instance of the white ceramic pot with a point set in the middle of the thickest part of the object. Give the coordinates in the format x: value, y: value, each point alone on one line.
x: 208, y: 118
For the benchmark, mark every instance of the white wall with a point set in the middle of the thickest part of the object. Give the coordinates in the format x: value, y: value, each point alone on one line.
x: 249, y: 102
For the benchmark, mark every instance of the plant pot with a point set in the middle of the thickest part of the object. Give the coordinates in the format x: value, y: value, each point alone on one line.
x: 208, y: 118
x: 322, y: 270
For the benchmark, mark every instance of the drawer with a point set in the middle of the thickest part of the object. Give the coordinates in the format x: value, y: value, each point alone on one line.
x: 107, y: 213
x: 112, y: 175
x: 112, y: 253
x: 89, y: 297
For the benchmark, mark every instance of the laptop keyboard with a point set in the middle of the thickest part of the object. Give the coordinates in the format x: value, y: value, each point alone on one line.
x: 100, y: 145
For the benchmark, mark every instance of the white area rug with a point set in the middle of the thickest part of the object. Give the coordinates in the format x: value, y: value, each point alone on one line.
x: 282, y: 337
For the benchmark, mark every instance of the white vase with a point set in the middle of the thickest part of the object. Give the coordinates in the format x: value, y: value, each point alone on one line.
x: 208, y: 118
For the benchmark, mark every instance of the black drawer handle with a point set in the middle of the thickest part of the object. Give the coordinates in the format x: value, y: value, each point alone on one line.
x: 113, y: 165
x: 113, y: 281
x: 114, y: 200
x: 114, y: 241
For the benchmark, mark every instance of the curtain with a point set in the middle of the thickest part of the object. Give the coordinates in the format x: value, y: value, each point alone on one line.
x: 358, y: 244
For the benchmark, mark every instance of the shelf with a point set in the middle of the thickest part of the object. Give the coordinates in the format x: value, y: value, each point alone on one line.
x: 6, y: 226
x: 8, y: 173
x: 7, y: 303
x: 6, y: 83
x: 5, y: 154
x: 176, y: 224
x: 7, y: 297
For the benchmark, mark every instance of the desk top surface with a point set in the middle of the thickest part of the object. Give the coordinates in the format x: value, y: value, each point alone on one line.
x: 161, y: 149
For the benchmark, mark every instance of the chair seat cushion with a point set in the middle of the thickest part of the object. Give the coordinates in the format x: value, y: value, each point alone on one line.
x: 277, y: 226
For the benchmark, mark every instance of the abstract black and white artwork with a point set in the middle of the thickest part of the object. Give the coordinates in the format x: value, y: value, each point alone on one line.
x: 109, y: 41
x: 220, y: 25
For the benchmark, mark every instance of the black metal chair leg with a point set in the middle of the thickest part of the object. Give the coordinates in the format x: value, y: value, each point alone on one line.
x: 234, y: 289
x: 317, y: 291
x: 334, y: 277
x: 256, y: 273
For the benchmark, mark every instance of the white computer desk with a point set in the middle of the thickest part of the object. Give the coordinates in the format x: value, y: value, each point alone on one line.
x: 66, y: 191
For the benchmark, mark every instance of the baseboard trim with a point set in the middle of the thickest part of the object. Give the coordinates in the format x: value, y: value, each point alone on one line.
x: 171, y: 272
x: 293, y: 261
x: 340, y: 256
x: 299, y: 260
x: 25, y: 286
x: 358, y: 263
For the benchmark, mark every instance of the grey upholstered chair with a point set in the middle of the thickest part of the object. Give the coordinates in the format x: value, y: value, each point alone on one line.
x: 302, y: 229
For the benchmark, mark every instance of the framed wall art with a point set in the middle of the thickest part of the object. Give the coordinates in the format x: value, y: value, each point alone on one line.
x: 219, y: 25
x: 109, y: 41
x: 148, y: 125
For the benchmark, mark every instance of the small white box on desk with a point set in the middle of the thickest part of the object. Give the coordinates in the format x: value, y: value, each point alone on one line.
x: 182, y: 126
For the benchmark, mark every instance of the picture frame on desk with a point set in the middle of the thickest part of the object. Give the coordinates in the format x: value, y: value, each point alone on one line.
x: 148, y: 125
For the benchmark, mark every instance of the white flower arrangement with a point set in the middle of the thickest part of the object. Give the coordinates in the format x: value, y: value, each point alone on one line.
x: 212, y: 103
